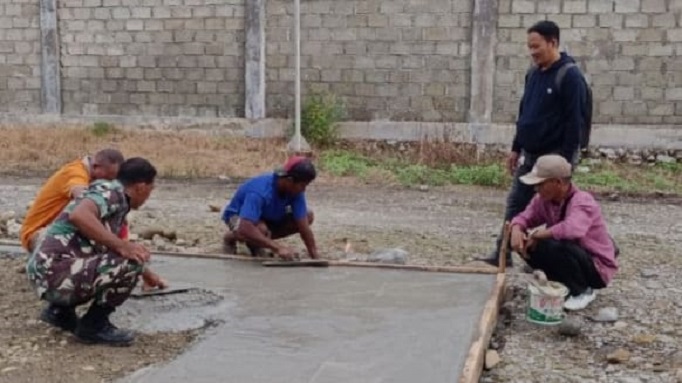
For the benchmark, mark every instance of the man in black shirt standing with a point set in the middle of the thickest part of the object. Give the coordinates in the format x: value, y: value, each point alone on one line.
x: 552, y: 116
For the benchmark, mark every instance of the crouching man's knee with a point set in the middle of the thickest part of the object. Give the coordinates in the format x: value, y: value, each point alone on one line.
x: 125, y: 272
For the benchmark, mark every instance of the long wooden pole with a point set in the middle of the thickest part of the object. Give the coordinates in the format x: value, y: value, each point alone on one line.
x: 16, y: 247
x: 506, y: 234
x: 473, y: 364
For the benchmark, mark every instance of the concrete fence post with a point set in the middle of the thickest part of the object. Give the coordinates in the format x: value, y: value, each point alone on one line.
x: 255, y: 59
x: 483, y: 41
x: 51, y: 94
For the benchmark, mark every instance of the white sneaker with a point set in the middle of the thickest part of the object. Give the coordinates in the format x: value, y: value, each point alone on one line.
x: 581, y: 301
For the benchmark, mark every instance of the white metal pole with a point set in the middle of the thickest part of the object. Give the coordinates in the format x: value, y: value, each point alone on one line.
x: 297, y: 37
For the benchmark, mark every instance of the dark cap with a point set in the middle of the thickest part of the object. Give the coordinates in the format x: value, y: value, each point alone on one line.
x: 298, y: 168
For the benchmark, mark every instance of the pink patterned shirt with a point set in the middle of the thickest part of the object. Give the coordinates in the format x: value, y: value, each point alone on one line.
x: 584, y: 223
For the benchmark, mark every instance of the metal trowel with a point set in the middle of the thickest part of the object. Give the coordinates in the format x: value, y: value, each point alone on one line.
x: 300, y: 263
x: 138, y: 292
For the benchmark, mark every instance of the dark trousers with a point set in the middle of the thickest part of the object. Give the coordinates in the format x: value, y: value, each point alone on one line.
x: 567, y: 263
x: 520, y: 196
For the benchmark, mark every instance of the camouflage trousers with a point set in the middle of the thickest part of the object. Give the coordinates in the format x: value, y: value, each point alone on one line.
x: 64, y: 279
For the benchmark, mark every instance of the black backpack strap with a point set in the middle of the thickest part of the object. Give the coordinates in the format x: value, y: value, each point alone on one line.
x: 587, y: 114
x: 561, y: 73
x: 529, y: 73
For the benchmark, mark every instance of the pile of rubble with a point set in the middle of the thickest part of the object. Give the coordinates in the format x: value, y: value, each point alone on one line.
x: 164, y: 240
x: 157, y: 239
x: 10, y: 225
x: 637, y: 156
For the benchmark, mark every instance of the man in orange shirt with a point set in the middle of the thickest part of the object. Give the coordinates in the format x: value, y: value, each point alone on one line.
x: 64, y: 185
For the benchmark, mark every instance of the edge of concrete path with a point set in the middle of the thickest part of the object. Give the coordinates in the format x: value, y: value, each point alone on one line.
x: 11, y: 245
x: 16, y: 246
x: 334, y: 263
x: 473, y: 365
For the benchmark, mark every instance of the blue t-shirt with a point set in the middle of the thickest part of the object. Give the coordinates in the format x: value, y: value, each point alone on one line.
x: 258, y: 200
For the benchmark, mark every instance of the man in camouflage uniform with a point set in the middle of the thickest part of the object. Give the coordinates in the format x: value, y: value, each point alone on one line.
x: 82, y: 258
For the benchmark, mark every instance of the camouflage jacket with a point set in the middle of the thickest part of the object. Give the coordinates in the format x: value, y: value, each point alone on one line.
x: 63, y: 239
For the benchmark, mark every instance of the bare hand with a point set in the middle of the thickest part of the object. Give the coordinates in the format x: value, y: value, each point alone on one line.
x: 134, y: 252
x: 512, y: 162
x: 531, y: 242
x: 518, y: 240
x: 313, y: 254
x: 286, y: 253
x: 152, y: 280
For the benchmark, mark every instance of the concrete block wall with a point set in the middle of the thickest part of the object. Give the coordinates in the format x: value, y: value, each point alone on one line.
x: 395, y: 62
x: 19, y: 56
x: 399, y: 60
x: 152, y: 57
x: 631, y: 51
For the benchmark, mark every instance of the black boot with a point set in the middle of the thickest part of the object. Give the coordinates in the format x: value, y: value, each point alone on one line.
x: 95, y: 328
x: 63, y: 317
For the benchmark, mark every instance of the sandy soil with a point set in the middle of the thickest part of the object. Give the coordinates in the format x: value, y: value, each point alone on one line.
x: 32, y: 351
x: 437, y: 226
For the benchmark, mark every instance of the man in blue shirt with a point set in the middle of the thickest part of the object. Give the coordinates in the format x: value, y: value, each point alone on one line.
x: 551, y: 117
x: 269, y: 207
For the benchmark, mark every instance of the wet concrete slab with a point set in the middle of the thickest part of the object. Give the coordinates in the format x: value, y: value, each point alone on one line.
x: 314, y: 325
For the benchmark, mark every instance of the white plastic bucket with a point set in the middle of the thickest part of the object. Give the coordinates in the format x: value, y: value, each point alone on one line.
x: 546, y: 303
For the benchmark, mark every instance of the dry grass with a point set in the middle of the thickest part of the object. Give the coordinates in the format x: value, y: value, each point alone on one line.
x: 203, y: 154
x: 192, y: 154
x: 39, y: 151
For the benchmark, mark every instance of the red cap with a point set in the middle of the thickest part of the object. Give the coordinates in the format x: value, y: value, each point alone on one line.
x: 300, y: 168
x: 292, y: 162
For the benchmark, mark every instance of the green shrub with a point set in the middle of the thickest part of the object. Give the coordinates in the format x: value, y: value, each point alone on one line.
x: 320, y: 115
x: 101, y: 129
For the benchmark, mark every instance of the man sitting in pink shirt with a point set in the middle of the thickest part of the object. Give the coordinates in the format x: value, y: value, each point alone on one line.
x: 574, y: 246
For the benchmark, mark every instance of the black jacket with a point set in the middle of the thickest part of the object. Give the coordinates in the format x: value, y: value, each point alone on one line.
x: 550, y: 121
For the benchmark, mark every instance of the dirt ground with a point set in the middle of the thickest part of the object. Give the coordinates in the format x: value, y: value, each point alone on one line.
x: 32, y: 351
x: 442, y: 226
